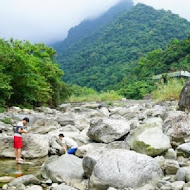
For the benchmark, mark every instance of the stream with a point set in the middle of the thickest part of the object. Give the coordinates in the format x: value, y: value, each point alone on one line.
x: 8, y: 167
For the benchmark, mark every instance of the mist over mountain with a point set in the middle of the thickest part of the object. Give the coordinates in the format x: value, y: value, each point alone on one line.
x: 104, y: 57
x: 88, y: 26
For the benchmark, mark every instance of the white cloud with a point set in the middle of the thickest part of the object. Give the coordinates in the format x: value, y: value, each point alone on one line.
x: 50, y: 20
x: 46, y: 20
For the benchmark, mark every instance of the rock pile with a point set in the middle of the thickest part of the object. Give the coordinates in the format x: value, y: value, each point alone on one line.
x: 130, y: 145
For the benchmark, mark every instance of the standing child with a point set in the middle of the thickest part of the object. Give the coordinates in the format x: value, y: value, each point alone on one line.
x: 18, y: 138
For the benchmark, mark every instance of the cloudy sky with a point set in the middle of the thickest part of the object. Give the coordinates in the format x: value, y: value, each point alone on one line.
x: 50, y: 20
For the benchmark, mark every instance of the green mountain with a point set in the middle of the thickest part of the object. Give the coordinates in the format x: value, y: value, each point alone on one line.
x: 102, y: 59
x: 88, y: 26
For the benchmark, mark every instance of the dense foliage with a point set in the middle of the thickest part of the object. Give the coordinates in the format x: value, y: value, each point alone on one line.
x: 108, y: 56
x: 29, y: 75
x: 176, y: 57
x: 81, y: 91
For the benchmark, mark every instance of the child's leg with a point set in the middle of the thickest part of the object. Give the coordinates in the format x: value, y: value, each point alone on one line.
x: 16, y: 153
x: 19, y: 153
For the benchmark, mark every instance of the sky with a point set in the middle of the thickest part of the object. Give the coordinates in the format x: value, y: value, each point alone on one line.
x: 181, y: 7
x: 49, y: 20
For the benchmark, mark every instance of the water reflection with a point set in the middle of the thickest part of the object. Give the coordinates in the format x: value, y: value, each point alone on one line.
x: 9, y: 167
x: 18, y: 171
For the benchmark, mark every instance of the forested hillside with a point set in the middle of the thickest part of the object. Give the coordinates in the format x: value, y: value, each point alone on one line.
x: 88, y: 26
x: 29, y: 75
x: 176, y: 57
x: 106, y: 57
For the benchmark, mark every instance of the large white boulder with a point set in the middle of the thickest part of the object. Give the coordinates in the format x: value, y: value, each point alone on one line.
x: 43, y: 126
x: 149, y: 140
x: 66, y: 169
x: 35, y: 146
x: 108, y: 129
x: 176, y: 126
x: 123, y: 168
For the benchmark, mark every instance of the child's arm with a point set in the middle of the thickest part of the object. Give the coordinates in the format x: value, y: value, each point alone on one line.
x: 22, y: 130
x: 65, y: 148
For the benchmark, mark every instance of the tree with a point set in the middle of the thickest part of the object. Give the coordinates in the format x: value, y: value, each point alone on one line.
x: 31, y: 75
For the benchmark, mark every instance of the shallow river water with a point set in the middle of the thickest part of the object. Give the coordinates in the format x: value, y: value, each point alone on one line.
x: 8, y: 167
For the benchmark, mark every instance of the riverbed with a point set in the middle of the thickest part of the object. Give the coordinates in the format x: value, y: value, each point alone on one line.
x: 9, y: 167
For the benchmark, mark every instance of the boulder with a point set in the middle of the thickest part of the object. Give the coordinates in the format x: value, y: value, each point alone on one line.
x: 146, y: 187
x: 43, y: 126
x: 123, y: 168
x: 35, y: 146
x: 89, y: 113
x: 63, y: 187
x: 82, y: 139
x: 81, y: 121
x: 66, y: 119
x: 160, y: 160
x: 6, y: 128
x: 184, y: 99
x: 45, y: 110
x: 184, y: 149
x: 149, y: 140
x: 165, y: 185
x: 178, y: 185
x: 34, y: 187
x: 107, y: 129
x: 156, y: 111
x: 171, y: 154
x: 134, y: 123
x: 92, y: 105
x: 32, y: 117
x: 26, y: 180
x: 6, y: 179
x: 182, y: 173
x: 171, y: 167
x: 176, y: 126
x: 104, y: 111
x: 82, y: 150
x: 153, y: 121
x: 43, y: 168
x: 68, y: 131
x: 183, y: 161
x: 117, y: 145
x: 55, y: 146
x: 64, y: 107
x: 66, y: 169
x: 90, y: 160
x: 128, y: 113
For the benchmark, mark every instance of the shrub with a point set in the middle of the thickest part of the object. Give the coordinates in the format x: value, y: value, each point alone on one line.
x: 169, y: 91
x: 104, y: 96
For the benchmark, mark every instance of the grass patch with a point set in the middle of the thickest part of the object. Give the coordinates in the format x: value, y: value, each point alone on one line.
x: 105, y: 96
x: 2, y: 109
x: 7, y: 120
x: 169, y: 91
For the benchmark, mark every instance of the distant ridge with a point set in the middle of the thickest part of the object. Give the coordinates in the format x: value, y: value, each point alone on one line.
x: 86, y: 27
x: 103, y: 58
